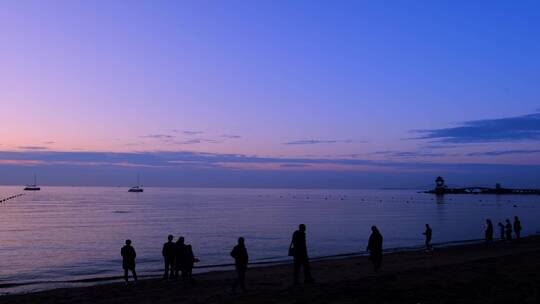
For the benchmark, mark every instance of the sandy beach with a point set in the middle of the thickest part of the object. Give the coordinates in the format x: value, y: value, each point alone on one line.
x: 500, y: 273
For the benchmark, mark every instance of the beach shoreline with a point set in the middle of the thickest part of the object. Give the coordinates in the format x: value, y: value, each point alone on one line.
x: 12, y: 288
x: 476, y: 271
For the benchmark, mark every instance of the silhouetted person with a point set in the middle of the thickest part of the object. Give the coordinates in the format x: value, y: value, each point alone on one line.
x: 128, y: 260
x: 298, y: 249
x: 489, y: 231
x: 181, y: 258
x: 428, y: 234
x: 375, y: 248
x: 190, y: 263
x: 508, y: 230
x: 501, y: 228
x: 241, y: 258
x: 168, y: 253
x: 517, y: 227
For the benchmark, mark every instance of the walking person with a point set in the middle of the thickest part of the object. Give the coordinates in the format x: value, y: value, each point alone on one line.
x: 501, y: 229
x: 508, y: 230
x: 375, y: 248
x: 517, y: 227
x: 298, y: 250
x: 128, y: 260
x: 240, y: 255
x: 168, y: 253
x: 489, y: 231
x: 428, y: 234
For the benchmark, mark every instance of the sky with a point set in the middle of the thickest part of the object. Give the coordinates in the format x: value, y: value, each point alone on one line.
x: 314, y: 94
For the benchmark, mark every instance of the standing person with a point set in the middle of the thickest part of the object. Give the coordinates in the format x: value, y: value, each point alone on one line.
x: 298, y: 249
x: 240, y: 255
x: 501, y: 228
x: 168, y: 253
x: 508, y: 230
x: 375, y: 248
x: 517, y: 227
x: 190, y: 261
x: 489, y: 231
x: 180, y: 258
x: 428, y: 234
x: 128, y: 260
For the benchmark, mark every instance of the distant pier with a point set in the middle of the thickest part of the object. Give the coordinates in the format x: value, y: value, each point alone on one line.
x: 441, y: 189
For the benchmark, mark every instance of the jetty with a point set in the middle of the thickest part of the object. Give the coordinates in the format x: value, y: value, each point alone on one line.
x: 442, y: 189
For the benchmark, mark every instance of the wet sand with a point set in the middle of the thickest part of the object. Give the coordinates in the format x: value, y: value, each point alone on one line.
x: 500, y: 273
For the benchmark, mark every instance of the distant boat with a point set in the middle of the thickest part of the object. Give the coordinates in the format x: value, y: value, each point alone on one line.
x: 137, y: 188
x: 33, y: 187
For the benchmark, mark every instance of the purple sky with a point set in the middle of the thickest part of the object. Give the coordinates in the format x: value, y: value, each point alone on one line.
x: 263, y: 93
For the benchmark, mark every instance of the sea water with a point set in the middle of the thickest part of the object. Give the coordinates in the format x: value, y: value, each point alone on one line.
x: 58, y: 235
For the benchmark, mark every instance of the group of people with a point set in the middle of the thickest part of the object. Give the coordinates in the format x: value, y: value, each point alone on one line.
x: 179, y: 259
x: 506, y: 230
x: 178, y: 256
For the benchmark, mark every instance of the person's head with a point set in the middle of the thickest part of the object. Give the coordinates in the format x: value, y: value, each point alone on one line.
x: 507, y: 220
x: 241, y: 241
x: 488, y: 221
x: 427, y: 225
x: 374, y: 229
x: 181, y: 240
x: 516, y: 218
x: 170, y: 237
x: 302, y: 227
x: 128, y: 242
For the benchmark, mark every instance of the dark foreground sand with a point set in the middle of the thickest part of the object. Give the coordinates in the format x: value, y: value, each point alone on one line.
x: 501, y: 273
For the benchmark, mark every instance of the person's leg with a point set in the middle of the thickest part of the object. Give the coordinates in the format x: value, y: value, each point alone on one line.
x: 297, y: 264
x: 166, y: 271
x: 378, y: 262
x: 236, y: 280
x: 307, y: 271
x: 126, y: 274
x: 176, y: 273
x: 171, y: 271
x: 190, y: 276
x: 242, y: 278
x: 184, y: 274
x: 134, y: 274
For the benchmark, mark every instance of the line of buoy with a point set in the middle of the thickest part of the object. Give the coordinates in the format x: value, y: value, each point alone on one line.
x: 11, y: 197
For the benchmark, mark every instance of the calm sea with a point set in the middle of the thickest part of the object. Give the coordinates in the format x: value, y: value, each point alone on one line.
x: 59, y: 235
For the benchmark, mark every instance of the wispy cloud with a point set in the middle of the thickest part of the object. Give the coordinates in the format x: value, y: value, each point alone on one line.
x: 182, y: 158
x: 189, y: 132
x: 230, y: 136
x: 33, y: 148
x: 317, y: 141
x: 157, y: 136
x: 408, y: 154
x: 519, y: 128
x: 49, y: 142
x: 503, y: 152
x: 195, y: 141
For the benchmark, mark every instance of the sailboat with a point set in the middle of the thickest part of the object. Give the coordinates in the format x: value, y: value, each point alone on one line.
x: 137, y: 188
x: 32, y: 187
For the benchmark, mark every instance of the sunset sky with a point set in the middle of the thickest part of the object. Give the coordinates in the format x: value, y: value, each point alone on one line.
x: 270, y: 93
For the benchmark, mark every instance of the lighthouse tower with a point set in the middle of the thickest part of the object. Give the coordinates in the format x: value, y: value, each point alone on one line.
x: 440, y: 187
